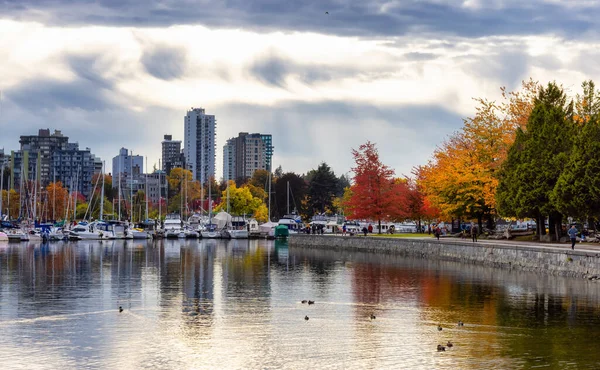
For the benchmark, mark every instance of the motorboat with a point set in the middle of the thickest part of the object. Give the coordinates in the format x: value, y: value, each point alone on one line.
x: 238, y: 228
x: 172, y: 226
x: 292, y: 222
x: 91, y: 231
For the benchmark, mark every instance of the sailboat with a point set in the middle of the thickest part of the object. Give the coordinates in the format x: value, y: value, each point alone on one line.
x: 289, y: 221
x: 210, y: 231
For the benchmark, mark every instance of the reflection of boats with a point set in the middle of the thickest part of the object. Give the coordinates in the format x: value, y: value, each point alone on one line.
x: 3, y: 237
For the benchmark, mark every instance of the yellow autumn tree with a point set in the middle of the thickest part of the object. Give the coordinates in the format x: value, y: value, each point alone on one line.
x: 10, y: 203
x: 240, y: 201
x: 460, y: 180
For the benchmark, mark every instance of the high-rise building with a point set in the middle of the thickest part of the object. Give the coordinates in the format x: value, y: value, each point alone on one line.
x: 199, y: 143
x: 229, y: 160
x: 245, y: 154
x: 50, y: 157
x: 41, y: 147
x: 126, y: 164
x: 74, y: 168
x: 172, y: 156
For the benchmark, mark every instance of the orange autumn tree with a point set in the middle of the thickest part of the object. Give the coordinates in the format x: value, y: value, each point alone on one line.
x: 375, y: 194
x: 461, y: 178
x: 57, y: 200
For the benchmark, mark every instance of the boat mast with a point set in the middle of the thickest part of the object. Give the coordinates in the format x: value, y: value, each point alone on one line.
x: 2, y: 188
x: 146, y: 192
x: 209, y: 202
x: 159, y: 190
x: 75, y: 194
x: 269, y: 196
x: 119, y: 187
x: 131, y: 187
x: 53, y: 196
x: 288, y: 198
x: 102, y: 194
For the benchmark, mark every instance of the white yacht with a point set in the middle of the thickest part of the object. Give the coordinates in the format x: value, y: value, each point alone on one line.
x: 238, y: 228
x: 172, y: 226
x: 92, y: 231
x: 292, y: 222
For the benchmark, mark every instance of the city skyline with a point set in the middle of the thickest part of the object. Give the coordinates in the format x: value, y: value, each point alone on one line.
x: 401, y: 75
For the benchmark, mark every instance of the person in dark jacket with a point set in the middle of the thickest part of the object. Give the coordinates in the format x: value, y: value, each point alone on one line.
x: 573, y: 236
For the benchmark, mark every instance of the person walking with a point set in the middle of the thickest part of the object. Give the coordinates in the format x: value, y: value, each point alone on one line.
x: 436, y: 232
x: 573, y: 236
x: 370, y: 228
x: 474, y: 233
x: 344, y: 230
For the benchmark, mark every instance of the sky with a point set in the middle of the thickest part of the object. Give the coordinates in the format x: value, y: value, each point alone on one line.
x: 321, y: 76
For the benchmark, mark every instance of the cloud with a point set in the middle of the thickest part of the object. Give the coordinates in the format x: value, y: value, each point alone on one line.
x: 346, y: 17
x: 165, y: 62
x: 274, y: 70
x: 305, y: 134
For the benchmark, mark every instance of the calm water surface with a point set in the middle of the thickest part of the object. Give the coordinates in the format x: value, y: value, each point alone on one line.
x: 236, y: 304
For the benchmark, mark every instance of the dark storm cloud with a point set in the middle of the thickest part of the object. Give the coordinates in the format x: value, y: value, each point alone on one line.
x: 164, y: 62
x: 346, y: 17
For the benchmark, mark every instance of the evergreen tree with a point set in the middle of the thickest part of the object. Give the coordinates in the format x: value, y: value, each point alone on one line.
x: 577, y: 191
x: 536, y: 160
x: 322, y: 189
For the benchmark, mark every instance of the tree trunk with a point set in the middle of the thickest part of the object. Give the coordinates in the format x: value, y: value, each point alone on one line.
x: 541, y: 225
x: 557, y: 225
x: 379, y: 222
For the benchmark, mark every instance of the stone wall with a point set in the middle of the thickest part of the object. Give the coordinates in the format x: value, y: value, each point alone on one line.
x: 552, y: 260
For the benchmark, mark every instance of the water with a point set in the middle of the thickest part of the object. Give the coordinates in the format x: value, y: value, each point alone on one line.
x: 236, y: 304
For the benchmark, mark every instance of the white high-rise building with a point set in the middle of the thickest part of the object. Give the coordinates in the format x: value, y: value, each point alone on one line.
x: 199, y: 143
x: 229, y: 160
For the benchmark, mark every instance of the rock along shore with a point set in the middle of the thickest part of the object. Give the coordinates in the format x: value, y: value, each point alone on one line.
x: 536, y: 258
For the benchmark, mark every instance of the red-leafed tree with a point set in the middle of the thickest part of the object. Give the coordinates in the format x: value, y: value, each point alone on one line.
x: 375, y: 193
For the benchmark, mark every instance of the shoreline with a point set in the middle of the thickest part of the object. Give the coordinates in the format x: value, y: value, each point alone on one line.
x: 551, y: 260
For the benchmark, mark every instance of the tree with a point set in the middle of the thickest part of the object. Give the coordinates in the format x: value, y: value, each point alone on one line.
x: 342, y: 184
x: 297, y: 192
x: 10, y: 203
x: 322, y: 188
x: 240, y: 200
x: 57, y: 200
x: 375, y: 194
x: 461, y: 179
x: 260, y: 179
x: 278, y: 172
x: 536, y: 160
x: 577, y: 191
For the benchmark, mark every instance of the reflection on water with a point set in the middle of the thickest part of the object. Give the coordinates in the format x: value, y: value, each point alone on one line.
x: 237, y: 304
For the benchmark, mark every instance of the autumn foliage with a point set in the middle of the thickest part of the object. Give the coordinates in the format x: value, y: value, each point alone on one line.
x: 375, y: 194
x: 460, y: 180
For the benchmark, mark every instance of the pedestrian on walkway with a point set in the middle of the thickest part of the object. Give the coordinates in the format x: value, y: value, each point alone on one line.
x: 474, y: 233
x: 436, y: 232
x: 573, y: 235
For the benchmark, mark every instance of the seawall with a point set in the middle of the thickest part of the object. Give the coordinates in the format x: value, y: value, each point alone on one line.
x: 542, y: 259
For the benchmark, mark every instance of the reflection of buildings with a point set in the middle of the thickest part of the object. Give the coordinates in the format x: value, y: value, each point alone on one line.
x: 197, y: 271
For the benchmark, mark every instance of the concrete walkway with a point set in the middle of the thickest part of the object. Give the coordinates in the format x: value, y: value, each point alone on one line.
x: 584, y: 247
